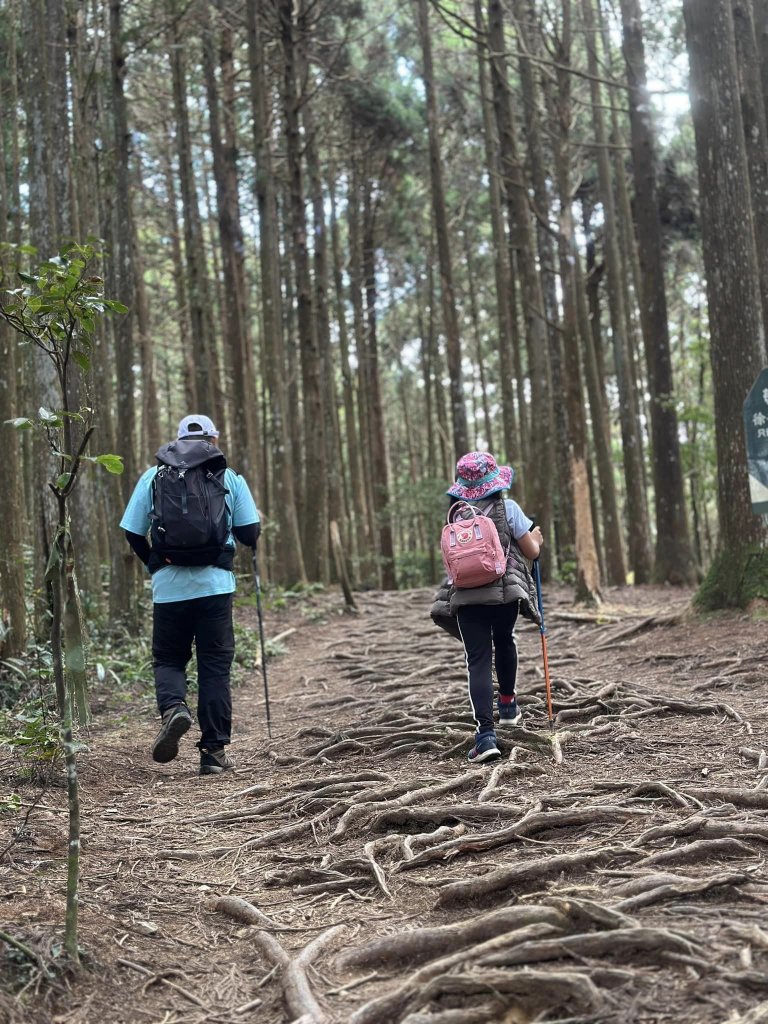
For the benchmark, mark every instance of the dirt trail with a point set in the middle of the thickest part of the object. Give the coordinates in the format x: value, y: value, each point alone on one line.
x: 357, y: 869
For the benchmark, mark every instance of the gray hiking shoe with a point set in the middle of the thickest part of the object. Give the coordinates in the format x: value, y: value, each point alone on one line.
x: 176, y: 721
x: 214, y: 762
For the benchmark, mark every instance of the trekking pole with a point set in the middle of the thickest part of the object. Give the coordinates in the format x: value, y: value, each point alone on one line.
x: 257, y: 582
x: 543, y: 634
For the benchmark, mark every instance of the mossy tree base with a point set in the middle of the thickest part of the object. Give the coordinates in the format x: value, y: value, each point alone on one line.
x: 734, y: 581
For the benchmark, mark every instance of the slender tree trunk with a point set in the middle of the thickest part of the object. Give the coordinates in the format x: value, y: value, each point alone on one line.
x: 510, y: 447
x: 191, y: 400
x: 674, y: 561
x: 378, y: 452
x: 13, y: 625
x: 369, y: 569
x: 238, y: 345
x: 740, y: 570
x: 760, y: 11
x: 201, y: 327
x: 636, y: 509
x: 122, y: 590
x: 354, y: 454
x: 331, y: 496
x: 315, y: 540
x: 479, y: 358
x: 587, y: 565
x: 612, y: 567
x: 522, y: 237
x: 450, y: 318
x: 753, y: 114
x: 289, y: 560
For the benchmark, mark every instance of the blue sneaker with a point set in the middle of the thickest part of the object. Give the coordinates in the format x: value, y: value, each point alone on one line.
x: 510, y: 714
x: 485, y: 749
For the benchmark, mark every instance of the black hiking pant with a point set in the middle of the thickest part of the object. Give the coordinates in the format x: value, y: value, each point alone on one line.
x: 486, y: 629
x: 208, y: 622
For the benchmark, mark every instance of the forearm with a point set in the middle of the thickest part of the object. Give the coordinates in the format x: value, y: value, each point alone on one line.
x: 139, y: 544
x: 247, y: 535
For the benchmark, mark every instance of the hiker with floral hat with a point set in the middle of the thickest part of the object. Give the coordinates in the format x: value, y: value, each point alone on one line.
x: 484, y: 617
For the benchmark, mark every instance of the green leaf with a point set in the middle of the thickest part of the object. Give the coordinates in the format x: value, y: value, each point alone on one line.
x: 63, y: 480
x: 51, y: 419
x: 28, y: 250
x: 21, y: 423
x: 113, y: 304
x: 27, y: 278
x: 82, y: 361
x: 112, y: 463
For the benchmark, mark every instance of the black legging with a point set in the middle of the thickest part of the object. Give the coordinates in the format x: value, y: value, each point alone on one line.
x: 485, y: 629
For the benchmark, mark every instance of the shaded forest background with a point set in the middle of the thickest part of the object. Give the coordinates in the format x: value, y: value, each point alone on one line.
x: 365, y: 238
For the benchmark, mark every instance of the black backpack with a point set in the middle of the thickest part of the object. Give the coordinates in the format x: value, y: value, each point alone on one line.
x: 189, y: 522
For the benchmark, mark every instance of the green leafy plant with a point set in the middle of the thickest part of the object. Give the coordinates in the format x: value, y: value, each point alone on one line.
x: 31, y: 733
x: 10, y: 804
x: 56, y: 308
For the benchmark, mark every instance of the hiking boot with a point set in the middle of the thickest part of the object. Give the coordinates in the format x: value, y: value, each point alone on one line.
x: 509, y: 713
x: 176, y: 721
x: 485, y: 749
x: 214, y: 762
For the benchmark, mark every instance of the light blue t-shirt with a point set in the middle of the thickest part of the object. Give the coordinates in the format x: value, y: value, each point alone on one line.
x: 186, y: 582
x: 518, y: 521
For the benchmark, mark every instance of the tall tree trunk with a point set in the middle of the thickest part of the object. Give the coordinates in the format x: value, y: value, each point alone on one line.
x: 315, y: 540
x: 378, y: 452
x: 479, y: 357
x: 562, y: 513
x: 369, y: 568
x: 587, y: 565
x: 753, y: 112
x: 538, y: 470
x: 450, y: 318
x: 179, y: 283
x: 636, y: 508
x: 510, y: 447
x: 674, y: 560
x: 740, y: 569
x: 238, y: 344
x: 289, y: 560
x: 122, y: 588
x: 328, y: 490
x: 198, y: 293
x: 612, y: 565
x: 13, y: 625
x: 354, y: 454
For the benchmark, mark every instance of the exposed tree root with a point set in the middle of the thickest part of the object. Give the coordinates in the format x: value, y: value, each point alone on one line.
x: 421, y: 944
x: 476, y: 889
x: 673, y: 890
x: 531, y: 824
x: 386, y: 1008
x: 297, y: 991
x: 621, y: 942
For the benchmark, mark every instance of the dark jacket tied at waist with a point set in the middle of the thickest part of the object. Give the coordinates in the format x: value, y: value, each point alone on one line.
x: 516, y: 584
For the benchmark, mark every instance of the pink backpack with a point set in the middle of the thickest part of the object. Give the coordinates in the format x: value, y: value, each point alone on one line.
x: 472, y: 552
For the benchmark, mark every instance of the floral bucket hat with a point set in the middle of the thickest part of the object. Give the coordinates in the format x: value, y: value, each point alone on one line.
x: 478, y: 476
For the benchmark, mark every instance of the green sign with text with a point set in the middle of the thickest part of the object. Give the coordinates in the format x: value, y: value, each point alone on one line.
x: 756, y: 427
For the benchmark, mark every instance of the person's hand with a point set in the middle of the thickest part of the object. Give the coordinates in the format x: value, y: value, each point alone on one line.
x: 538, y: 536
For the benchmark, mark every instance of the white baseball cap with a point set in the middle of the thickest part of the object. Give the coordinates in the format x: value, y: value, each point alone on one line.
x: 197, y: 426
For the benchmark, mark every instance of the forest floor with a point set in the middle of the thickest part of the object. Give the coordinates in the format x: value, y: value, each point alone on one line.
x: 357, y: 869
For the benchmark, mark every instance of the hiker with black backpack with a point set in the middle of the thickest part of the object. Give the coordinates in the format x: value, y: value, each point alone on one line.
x: 488, y: 546
x: 193, y: 506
